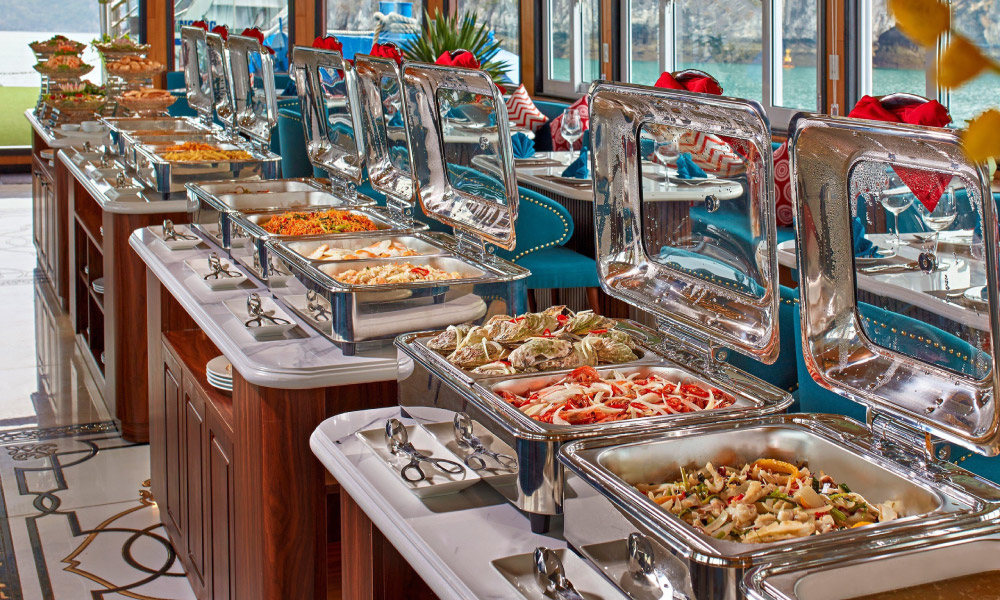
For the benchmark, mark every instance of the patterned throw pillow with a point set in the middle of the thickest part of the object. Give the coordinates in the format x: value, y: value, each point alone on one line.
x: 558, y: 142
x: 712, y: 153
x: 523, y: 112
x: 784, y: 209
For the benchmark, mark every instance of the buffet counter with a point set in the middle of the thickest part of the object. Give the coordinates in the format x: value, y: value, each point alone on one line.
x: 242, y: 498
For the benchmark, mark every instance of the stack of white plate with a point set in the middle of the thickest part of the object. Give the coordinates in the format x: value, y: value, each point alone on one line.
x: 220, y: 373
x: 98, y: 285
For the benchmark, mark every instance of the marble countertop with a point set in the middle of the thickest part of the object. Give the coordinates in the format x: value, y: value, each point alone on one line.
x: 147, y: 203
x: 449, y: 540
x: 303, y: 359
x: 55, y: 138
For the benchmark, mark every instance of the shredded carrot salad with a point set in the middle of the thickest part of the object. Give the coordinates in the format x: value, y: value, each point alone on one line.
x: 309, y: 223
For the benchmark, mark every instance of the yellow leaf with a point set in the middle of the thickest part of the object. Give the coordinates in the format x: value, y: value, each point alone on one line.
x: 923, y: 21
x: 980, y: 140
x: 961, y: 62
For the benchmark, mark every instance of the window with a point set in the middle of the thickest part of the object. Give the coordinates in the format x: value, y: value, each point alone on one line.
x: 502, y: 17
x: 355, y: 23
x: 765, y: 51
x: 572, y: 52
x: 980, y: 22
x: 270, y: 16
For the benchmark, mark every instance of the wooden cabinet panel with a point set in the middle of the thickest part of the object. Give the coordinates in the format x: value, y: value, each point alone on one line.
x: 172, y: 442
x: 193, y: 474
x: 219, y: 502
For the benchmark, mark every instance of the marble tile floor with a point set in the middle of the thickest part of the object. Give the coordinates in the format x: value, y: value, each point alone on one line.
x: 77, y: 519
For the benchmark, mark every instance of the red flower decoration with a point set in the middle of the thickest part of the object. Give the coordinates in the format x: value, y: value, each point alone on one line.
x: 387, y: 51
x: 258, y: 35
x: 329, y: 42
x: 201, y: 24
x: 222, y: 30
x: 458, y: 58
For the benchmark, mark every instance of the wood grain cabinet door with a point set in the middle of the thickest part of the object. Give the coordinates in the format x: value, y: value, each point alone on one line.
x: 219, y: 499
x: 172, y: 492
x: 194, y: 441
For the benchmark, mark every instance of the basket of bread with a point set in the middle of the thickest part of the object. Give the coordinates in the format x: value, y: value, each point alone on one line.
x: 147, y: 100
x: 134, y: 67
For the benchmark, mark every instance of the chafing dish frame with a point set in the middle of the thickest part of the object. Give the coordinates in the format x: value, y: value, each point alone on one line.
x: 160, y: 174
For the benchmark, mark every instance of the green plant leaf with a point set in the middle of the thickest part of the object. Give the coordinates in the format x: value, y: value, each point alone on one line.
x: 445, y: 34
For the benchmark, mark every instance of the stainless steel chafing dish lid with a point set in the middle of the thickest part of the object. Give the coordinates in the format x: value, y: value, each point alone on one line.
x: 256, y: 107
x: 472, y: 189
x: 197, y: 71
x: 704, y: 299
x: 837, y: 164
x: 328, y: 98
x: 872, y: 568
x: 379, y: 90
x: 222, y: 80
x: 935, y: 497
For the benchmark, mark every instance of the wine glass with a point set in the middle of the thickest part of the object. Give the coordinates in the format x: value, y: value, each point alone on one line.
x: 571, y: 129
x: 667, y: 149
x: 895, y: 199
x: 944, y: 214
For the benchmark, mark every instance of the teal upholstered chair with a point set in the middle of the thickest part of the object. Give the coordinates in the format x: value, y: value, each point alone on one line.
x: 181, y: 108
x: 543, y: 228
x: 292, y: 145
x: 784, y: 372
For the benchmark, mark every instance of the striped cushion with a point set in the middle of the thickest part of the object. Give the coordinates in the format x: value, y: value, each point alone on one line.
x: 712, y: 154
x: 558, y: 142
x: 522, y: 111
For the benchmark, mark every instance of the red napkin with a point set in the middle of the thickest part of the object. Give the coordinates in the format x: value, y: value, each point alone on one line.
x: 927, y: 186
x: 328, y: 43
x: 389, y: 50
x: 222, y: 30
x: 258, y: 35
x: 458, y: 58
x: 201, y: 24
x: 705, y: 85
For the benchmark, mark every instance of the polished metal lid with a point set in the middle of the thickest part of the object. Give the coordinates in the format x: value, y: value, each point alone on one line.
x: 696, y: 253
x: 197, y: 71
x: 254, y: 98
x: 222, y: 80
x: 905, y: 324
x: 327, y: 89
x: 460, y: 150
x: 383, y: 123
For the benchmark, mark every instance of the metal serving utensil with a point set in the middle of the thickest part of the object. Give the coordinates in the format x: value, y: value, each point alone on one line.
x: 465, y: 437
x: 170, y: 234
x: 551, y: 577
x: 316, y: 308
x: 219, y: 269
x: 653, y: 583
x: 258, y: 315
x: 397, y: 441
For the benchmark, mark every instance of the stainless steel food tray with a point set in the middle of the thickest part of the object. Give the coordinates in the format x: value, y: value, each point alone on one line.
x: 304, y: 248
x: 934, y: 497
x: 169, y: 178
x: 119, y: 126
x: 129, y: 141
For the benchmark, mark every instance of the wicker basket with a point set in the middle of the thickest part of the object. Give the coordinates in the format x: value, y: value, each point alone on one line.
x: 147, y: 105
x: 137, y: 75
x: 110, y: 53
x: 63, y: 74
x: 90, y: 105
x: 50, y: 49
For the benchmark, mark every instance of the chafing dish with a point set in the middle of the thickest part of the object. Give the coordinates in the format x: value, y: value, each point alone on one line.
x: 915, y: 409
x: 122, y: 129
x: 169, y: 178
x: 702, y: 317
x: 366, y: 315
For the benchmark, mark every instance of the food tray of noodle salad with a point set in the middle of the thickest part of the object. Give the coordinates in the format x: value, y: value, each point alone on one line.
x: 168, y: 166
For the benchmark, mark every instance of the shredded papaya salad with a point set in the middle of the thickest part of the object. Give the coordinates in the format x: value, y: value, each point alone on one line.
x: 584, y: 397
x: 311, y: 223
x: 767, y: 500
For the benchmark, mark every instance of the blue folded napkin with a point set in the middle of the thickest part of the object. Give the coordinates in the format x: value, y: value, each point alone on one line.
x: 686, y: 169
x: 396, y: 120
x: 863, y: 247
x: 522, y: 145
x: 647, y: 148
x: 290, y: 89
x: 579, y: 168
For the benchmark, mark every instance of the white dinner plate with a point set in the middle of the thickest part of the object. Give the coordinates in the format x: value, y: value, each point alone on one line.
x: 220, y: 367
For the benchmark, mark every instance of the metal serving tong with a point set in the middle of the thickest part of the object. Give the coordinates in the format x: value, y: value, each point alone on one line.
x: 649, y: 580
x: 170, y: 234
x: 397, y: 440
x: 316, y: 308
x: 258, y: 315
x: 219, y: 269
x: 465, y: 437
x: 551, y: 577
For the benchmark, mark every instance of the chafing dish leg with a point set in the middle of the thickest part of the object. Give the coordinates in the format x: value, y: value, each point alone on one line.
x: 539, y: 523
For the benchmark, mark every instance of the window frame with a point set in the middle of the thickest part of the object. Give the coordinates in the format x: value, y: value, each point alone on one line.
x: 866, y: 58
x: 576, y: 86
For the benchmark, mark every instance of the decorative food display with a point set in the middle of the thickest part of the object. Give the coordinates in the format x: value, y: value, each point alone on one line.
x: 147, y: 99
x: 134, y: 66
x: 77, y: 101
x: 553, y: 339
x: 199, y: 152
x: 380, y: 249
x: 68, y: 65
x: 767, y: 500
x: 81, y: 87
x: 584, y: 397
x: 57, y: 43
x: 967, y: 587
x: 395, y: 273
x: 311, y: 223
x: 119, y: 45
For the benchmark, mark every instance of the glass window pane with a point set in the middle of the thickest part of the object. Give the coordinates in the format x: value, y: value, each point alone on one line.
x: 644, y: 53
x: 560, y: 23
x: 501, y: 16
x: 270, y: 16
x: 795, y: 80
x: 731, y: 49
x: 354, y: 22
x: 591, y: 40
x: 980, y: 22
x: 898, y: 65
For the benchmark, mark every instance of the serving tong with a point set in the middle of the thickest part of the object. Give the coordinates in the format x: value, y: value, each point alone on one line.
x: 258, y: 315
x: 649, y: 580
x: 219, y: 269
x: 465, y: 437
x: 172, y: 235
x: 316, y: 308
x: 550, y: 575
x: 398, y: 441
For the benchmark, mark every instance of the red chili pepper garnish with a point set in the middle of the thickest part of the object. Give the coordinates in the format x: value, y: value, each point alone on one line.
x: 598, y: 331
x: 562, y: 318
x: 546, y: 333
x: 736, y: 498
x: 517, y: 319
x: 420, y: 271
x: 505, y: 362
